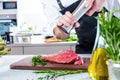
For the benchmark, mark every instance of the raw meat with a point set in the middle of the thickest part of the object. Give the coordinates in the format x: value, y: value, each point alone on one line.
x: 64, y: 56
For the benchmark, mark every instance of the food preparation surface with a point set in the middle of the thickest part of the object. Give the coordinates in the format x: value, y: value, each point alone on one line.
x: 26, y: 64
x: 15, y: 74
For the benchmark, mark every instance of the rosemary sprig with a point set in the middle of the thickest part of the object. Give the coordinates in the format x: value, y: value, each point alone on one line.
x: 55, y: 73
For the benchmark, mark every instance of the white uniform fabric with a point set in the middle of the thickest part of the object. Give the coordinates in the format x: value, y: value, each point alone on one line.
x: 51, y: 9
x: 113, y: 5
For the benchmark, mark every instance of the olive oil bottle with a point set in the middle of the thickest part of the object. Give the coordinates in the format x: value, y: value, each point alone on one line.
x: 97, y: 68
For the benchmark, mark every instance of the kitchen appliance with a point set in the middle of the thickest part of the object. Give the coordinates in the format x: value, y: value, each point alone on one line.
x: 77, y: 13
x: 6, y: 22
x: 8, y: 13
x: 8, y: 5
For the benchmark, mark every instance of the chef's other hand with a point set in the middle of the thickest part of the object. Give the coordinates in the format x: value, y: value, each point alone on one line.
x: 96, y: 6
x: 67, y: 20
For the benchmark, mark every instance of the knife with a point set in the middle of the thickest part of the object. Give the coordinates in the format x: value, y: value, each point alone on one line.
x: 77, y: 13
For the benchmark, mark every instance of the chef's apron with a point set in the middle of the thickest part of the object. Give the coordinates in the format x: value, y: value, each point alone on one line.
x: 86, y: 32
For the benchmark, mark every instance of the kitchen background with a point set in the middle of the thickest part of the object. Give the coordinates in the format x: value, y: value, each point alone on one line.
x: 20, y: 15
x: 25, y: 15
x: 31, y: 12
x: 24, y: 28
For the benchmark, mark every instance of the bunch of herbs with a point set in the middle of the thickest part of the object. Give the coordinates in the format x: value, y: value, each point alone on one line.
x: 36, y: 60
x: 53, y: 74
x: 110, y: 31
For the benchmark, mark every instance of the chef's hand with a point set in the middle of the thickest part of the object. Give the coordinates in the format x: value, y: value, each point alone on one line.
x: 67, y: 19
x: 96, y: 6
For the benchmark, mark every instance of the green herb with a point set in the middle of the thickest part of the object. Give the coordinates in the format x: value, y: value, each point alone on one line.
x: 52, y: 74
x: 110, y: 31
x: 30, y: 28
x: 72, y: 37
x: 36, y: 60
x: 4, y: 50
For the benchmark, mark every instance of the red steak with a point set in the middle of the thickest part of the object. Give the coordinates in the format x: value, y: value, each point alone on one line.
x: 64, y: 56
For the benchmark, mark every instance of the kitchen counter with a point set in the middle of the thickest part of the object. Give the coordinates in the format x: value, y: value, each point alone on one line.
x: 38, y: 46
x: 13, y: 74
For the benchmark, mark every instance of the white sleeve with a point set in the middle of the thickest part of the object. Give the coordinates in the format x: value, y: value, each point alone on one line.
x: 113, y: 4
x: 51, y: 11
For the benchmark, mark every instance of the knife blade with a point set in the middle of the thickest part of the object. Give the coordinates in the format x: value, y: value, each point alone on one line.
x: 77, y: 13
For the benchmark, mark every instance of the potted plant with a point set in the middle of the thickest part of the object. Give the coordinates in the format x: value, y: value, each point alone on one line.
x: 110, y: 31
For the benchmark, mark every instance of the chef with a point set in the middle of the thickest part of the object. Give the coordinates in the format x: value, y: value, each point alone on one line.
x: 58, y: 13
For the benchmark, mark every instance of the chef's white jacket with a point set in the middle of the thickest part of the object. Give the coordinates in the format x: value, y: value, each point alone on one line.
x: 51, y: 9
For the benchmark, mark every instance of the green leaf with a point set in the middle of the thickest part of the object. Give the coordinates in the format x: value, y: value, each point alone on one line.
x: 110, y: 31
x: 36, y: 60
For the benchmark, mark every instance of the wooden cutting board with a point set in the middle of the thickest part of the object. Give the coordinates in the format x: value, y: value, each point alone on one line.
x: 26, y: 64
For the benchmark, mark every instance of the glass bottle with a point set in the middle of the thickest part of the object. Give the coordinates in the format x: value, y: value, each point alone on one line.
x: 97, y: 69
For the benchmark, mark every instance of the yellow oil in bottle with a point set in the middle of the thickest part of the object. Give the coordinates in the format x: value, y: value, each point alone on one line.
x: 97, y: 68
x: 92, y: 66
